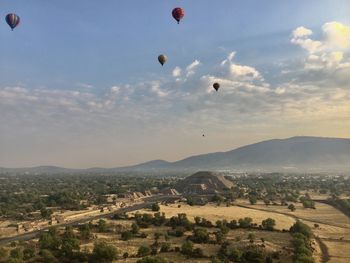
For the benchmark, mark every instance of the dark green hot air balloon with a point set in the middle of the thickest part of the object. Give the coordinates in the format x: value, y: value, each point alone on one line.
x: 162, y: 59
x: 216, y: 86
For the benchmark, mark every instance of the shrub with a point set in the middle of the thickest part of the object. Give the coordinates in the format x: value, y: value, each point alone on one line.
x: 187, y: 248
x: 155, y: 207
x: 291, y: 207
x: 152, y: 260
x: 103, y: 252
x: 245, y: 222
x: 200, y: 235
x: 143, y: 251
x: 165, y: 247
x: 268, y: 224
x: 302, y: 228
x: 135, y: 228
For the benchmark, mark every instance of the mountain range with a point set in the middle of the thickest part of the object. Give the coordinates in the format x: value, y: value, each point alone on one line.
x: 296, y: 154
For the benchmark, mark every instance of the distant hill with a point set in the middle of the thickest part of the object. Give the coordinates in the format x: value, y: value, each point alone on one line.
x: 296, y: 154
x: 203, y: 183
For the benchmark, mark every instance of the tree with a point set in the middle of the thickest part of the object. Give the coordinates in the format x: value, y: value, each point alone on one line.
x: 251, y: 237
x: 165, y: 247
x: 308, y: 204
x: 232, y: 224
x: 200, y: 235
x: 234, y: 254
x: 157, y: 235
x: 28, y: 252
x: 197, y: 220
x: 135, y: 228
x: 103, y: 252
x: 45, y: 213
x: 69, y: 245
x: 268, y: 224
x: 215, y: 260
x: 69, y: 233
x: 190, y: 201
x: 301, y: 228
x: 152, y: 260
x: 47, y: 256
x: 291, y: 207
x: 245, y: 222
x: 49, y: 240
x: 198, y: 252
x: 143, y: 251
x: 252, y: 199
x: 252, y: 255
x: 85, y: 231
x: 17, y: 254
x: 219, y: 236
x: 187, y: 248
x: 3, y: 253
x: 102, y: 226
x: 126, y: 235
x: 267, y: 201
x: 155, y: 207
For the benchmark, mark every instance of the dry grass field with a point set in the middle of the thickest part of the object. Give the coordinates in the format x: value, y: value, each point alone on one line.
x: 213, y: 213
x: 274, y: 241
x: 333, y: 230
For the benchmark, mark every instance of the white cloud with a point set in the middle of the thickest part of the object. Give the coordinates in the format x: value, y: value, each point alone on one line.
x: 176, y: 72
x: 301, y: 32
x: 115, y: 89
x: 337, y: 35
x: 327, y: 53
x: 237, y: 71
x: 190, y: 69
x: 156, y: 89
x: 229, y: 58
x: 244, y: 71
x: 85, y: 85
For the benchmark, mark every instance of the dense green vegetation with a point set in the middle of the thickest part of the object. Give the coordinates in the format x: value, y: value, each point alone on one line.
x: 301, y: 242
x: 21, y: 195
x: 342, y: 204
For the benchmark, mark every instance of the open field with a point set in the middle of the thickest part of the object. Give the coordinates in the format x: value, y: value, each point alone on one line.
x: 273, y: 241
x: 213, y: 213
x: 333, y: 230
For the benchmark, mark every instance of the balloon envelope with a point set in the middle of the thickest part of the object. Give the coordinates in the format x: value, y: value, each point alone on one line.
x: 216, y: 86
x: 178, y: 13
x: 12, y: 20
x: 162, y: 59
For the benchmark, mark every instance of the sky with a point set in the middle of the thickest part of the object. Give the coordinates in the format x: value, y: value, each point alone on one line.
x: 80, y: 84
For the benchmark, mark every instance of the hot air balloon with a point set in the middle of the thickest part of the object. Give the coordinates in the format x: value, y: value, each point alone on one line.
x: 12, y: 20
x: 178, y: 13
x: 216, y: 86
x: 162, y: 59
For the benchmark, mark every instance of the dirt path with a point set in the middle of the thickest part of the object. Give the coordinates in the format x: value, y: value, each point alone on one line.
x: 324, y: 250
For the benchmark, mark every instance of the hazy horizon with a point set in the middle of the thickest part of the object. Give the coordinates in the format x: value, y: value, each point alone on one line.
x: 174, y: 160
x: 81, y: 87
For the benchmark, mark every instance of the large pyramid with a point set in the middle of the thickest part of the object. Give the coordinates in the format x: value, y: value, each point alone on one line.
x: 203, y: 183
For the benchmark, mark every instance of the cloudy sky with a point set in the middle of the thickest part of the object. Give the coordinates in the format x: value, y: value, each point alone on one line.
x: 80, y: 84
